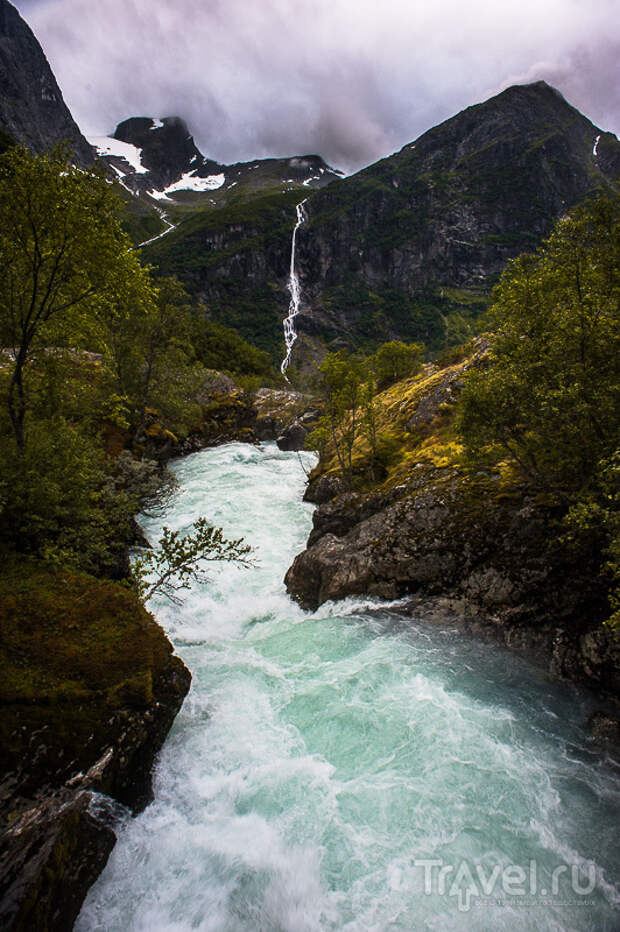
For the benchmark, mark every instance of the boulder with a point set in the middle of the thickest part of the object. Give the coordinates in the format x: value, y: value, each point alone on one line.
x: 51, y: 854
x: 448, y: 535
x: 293, y: 437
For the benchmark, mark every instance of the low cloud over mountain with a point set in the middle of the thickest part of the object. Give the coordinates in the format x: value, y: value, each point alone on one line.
x: 351, y: 81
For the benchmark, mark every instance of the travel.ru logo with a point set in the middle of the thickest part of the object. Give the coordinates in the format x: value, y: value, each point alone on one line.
x: 521, y: 886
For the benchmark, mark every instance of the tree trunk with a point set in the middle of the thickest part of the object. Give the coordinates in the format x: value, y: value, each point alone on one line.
x: 17, y: 402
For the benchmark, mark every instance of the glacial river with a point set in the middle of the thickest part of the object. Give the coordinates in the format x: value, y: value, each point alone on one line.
x: 352, y: 769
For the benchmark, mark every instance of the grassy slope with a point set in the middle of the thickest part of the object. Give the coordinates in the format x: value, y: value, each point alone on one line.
x: 434, y: 444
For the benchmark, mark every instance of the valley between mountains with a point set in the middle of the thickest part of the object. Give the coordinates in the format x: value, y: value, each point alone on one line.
x: 309, y: 518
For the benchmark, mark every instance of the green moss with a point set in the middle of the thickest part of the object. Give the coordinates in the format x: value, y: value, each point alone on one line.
x: 73, y: 649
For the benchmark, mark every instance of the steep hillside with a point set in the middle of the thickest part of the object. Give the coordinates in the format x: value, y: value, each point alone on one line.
x: 473, y: 547
x: 492, y: 482
x: 166, y: 181
x: 411, y: 246
x: 32, y: 109
x: 236, y: 258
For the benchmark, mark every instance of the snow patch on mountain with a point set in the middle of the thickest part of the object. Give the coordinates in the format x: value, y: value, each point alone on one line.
x: 106, y: 145
x: 190, y: 182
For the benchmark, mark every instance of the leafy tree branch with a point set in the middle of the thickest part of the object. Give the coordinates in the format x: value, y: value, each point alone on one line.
x: 178, y: 560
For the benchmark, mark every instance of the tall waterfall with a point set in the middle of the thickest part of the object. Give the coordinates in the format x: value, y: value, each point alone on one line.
x: 290, y: 334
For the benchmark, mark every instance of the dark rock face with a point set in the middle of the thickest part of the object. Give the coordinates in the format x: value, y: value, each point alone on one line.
x: 445, y: 214
x: 293, y: 437
x: 410, y: 244
x: 295, y: 434
x: 168, y: 151
x: 50, y: 857
x: 446, y: 536
x: 323, y: 489
x: 237, y: 260
x: 32, y: 109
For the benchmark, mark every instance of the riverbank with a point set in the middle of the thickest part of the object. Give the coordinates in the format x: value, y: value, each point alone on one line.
x: 91, y: 688
x: 429, y: 524
x: 89, y: 692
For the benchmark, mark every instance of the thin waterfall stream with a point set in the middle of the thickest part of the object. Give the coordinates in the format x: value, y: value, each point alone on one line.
x: 353, y: 768
x: 290, y: 333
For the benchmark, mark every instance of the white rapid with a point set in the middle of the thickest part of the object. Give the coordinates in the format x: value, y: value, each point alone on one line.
x: 324, y: 763
x: 290, y: 334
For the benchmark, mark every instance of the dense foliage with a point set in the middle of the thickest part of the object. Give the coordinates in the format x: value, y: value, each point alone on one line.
x: 549, y: 401
x: 220, y: 347
x: 98, y: 367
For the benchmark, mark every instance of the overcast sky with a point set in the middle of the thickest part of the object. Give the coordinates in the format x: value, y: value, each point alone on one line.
x: 353, y: 80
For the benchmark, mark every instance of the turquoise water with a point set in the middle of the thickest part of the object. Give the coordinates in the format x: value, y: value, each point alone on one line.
x: 328, y: 771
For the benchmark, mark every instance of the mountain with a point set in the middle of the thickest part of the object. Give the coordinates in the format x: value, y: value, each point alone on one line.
x: 159, y: 158
x: 32, y: 109
x: 409, y: 247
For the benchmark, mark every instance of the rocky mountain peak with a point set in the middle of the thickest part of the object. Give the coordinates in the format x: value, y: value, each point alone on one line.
x: 32, y: 109
x: 158, y: 156
x: 168, y: 150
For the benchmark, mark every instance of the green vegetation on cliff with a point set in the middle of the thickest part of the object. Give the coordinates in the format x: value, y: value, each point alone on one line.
x: 348, y: 387
x: 548, y: 403
x: 99, y: 379
x: 531, y: 412
x: 99, y: 358
x: 231, y: 257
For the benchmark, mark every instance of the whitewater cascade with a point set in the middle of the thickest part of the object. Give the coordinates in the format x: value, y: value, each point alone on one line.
x: 290, y: 334
x: 323, y: 762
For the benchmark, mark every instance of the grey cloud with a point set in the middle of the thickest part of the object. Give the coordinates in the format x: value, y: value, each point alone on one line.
x: 589, y: 79
x: 350, y: 79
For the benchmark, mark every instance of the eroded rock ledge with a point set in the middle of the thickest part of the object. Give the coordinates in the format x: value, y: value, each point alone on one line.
x: 488, y: 555
x: 91, y: 688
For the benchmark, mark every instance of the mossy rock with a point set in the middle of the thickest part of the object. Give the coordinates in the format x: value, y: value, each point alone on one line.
x: 84, y: 666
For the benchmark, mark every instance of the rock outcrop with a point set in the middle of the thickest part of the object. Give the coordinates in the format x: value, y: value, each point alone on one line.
x: 51, y: 854
x: 407, y: 247
x: 32, y: 109
x: 163, y: 160
x: 285, y: 416
x: 486, y: 555
x: 468, y: 545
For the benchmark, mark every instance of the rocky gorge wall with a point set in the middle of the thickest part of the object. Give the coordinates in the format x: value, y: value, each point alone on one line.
x: 468, y: 555
x: 89, y: 692
x: 91, y: 688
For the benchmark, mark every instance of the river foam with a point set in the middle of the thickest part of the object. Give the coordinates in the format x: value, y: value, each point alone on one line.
x: 320, y: 760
